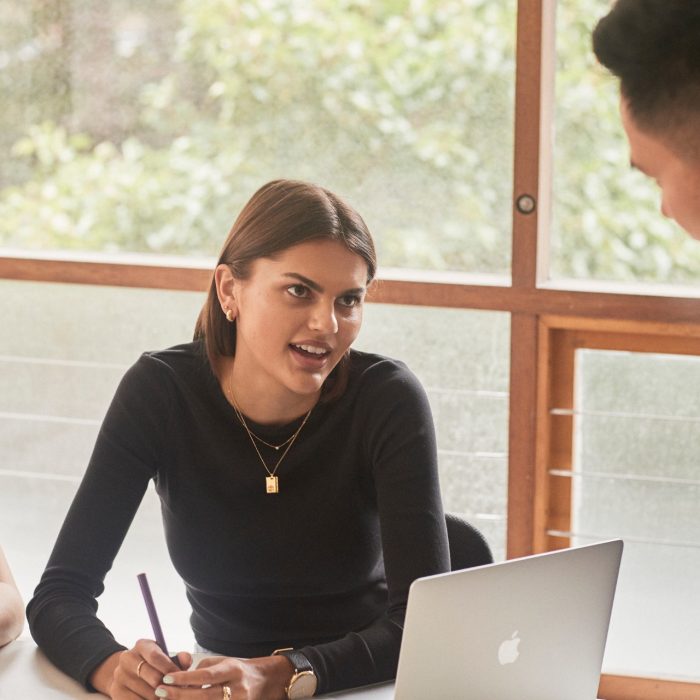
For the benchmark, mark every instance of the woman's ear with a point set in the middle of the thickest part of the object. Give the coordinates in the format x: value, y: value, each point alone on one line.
x: 225, y: 291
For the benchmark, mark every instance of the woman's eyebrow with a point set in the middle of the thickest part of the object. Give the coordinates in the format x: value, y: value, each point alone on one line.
x: 317, y: 287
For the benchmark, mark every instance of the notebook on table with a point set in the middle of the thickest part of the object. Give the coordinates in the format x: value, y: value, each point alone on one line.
x: 525, y: 629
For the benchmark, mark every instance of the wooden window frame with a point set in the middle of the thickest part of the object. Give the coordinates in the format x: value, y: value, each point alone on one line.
x: 558, y: 340
x: 548, y: 320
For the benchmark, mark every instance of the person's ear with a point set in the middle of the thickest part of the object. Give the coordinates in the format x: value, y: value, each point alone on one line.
x: 225, y: 291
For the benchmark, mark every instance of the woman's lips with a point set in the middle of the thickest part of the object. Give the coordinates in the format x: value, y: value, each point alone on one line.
x: 310, y: 355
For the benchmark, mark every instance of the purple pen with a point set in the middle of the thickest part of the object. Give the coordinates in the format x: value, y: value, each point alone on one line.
x: 152, y: 614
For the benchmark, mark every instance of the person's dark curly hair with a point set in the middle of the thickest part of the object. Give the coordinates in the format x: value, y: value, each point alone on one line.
x: 653, y: 47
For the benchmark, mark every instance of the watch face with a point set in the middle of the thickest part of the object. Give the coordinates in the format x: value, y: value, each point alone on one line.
x: 302, y: 685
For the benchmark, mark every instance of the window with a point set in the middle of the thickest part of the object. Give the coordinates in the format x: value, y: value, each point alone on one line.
x: 146, y: 126
x: 635, y: 473
x: 619, y: 413
x: 606, y: 224
x: 461, y: 358
x: 57, y: 386
x: 57, y: 383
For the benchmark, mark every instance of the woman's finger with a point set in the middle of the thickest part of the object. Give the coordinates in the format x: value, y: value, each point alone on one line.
x: 155, y: 657
x: 140, y: 671
x: 184, y: 659
x: 212, y: 670
x: 145, y: 673
x: 126, y: 694
x: 126, y: 684
x: 210, y: 692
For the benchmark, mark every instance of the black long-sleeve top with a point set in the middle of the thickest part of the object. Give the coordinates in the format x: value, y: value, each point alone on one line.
x: 323, y: 566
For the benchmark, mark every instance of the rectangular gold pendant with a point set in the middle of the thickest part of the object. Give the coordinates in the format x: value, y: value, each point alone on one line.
x: 271, y: 484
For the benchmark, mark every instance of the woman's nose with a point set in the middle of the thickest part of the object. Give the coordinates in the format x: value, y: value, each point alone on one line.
x: 323, y: 319
x: 665, y: 210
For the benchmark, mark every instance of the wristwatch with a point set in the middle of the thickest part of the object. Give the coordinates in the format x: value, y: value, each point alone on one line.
x: 303, y: 682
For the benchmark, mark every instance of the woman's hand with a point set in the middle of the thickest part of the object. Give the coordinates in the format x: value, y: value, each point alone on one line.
x: 135, y: 673
x: 224, y: 678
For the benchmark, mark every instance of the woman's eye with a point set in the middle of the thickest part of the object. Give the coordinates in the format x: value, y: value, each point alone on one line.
x: 299, y: 291
x: 349, y: 301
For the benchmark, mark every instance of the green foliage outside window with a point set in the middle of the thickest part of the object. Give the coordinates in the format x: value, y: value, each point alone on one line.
x: 607, y: 223
x: 145, y: 126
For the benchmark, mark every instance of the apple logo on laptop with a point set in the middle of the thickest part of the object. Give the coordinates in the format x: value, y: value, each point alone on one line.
x: 508, y: 650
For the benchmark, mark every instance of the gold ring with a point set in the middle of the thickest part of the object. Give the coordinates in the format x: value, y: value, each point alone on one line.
x: 226, y: 692
x: 138, y: 668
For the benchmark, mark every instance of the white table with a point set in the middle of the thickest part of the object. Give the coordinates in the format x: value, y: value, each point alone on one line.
x: 26, y: 674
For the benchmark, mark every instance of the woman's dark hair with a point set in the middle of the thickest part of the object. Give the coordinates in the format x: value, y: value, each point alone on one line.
x: 282, y: 214
x: 653, y: 47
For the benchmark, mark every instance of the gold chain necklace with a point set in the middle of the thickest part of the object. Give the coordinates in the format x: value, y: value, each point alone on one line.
x: 257, y: 437
x: 271, y: 480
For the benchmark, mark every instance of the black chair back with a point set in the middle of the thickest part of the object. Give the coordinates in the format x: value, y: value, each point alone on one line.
x: 468, y: 547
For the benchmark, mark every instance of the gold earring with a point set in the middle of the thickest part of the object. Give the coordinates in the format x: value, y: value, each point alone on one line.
x: 229, y: 316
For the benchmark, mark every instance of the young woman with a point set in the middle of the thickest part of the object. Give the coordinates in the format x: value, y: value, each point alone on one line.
x: 298, y: 478
x: 11, y: 606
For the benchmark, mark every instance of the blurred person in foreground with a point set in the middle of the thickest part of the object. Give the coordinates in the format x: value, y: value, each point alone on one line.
x: 11, y: 606
x: 653, y: 47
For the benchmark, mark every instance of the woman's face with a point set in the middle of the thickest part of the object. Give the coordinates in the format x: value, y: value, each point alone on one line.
x: 678, y: 179
x: 296, y: 315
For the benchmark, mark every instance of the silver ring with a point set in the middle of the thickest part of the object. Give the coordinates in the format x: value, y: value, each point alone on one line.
x: 138, y: 668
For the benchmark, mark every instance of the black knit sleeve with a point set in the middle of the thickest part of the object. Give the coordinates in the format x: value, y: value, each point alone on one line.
x: 62, y: 614
x: 401, y: 448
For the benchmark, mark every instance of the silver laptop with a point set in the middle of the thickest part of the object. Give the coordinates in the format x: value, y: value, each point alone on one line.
x: 525, y: 629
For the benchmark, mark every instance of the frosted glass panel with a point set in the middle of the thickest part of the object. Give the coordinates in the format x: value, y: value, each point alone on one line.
x: 32, y: 509
x: 637, y: 467
x: 462, y: 358
x: 64, y: 348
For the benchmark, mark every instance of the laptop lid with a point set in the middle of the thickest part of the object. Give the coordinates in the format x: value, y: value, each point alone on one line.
x: 525, y: 629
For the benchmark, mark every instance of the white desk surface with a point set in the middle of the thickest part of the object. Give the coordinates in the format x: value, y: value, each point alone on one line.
x: 26, y: 673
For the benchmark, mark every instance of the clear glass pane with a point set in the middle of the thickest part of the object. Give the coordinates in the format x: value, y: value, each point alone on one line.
x: 145, y: 126
x: 65, y: 347
x: 637, y: 428
x: 606, y: 219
